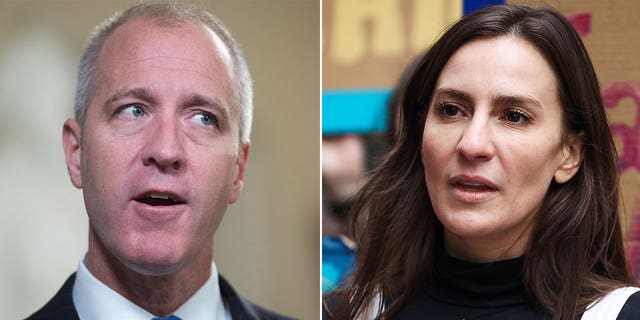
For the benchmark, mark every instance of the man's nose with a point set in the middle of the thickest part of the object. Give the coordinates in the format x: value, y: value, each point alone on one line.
x: 477, y: 141
x: 164, y: 146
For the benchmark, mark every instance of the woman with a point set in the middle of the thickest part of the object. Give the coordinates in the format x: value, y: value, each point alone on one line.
x: 500, y: 198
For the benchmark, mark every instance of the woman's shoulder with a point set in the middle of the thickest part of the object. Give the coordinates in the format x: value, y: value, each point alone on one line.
x: 623, y: 302
x: 631, y: 308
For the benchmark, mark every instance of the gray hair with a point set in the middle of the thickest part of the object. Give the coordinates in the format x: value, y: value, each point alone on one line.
x: 166, y: 15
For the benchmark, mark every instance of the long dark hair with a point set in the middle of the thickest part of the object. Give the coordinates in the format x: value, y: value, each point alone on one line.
x: 575, y: 253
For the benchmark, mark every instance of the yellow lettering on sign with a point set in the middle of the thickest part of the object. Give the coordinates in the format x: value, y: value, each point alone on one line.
x: 430, y: 17
x: 348, y: 32
x: 425, y: 20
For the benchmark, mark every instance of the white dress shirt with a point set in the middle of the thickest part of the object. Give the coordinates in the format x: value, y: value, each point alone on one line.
x: 95, y: 301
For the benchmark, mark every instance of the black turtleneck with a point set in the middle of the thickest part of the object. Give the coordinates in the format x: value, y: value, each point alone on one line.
x: 466, y: 290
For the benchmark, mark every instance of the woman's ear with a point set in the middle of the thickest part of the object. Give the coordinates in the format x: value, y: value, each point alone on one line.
x: 571, y: 158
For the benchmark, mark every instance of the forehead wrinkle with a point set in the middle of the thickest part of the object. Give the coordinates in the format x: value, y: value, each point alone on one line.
x: 183, y: 69
x: 167, y: 57
x: 219, y: 50
x: 197, y: 67
x: 197, y: 71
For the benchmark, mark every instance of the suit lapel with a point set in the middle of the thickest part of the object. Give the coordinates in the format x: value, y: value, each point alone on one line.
x: 60, y: 307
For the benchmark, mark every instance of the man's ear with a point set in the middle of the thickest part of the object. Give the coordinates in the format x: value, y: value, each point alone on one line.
x: 71, y: 143
x: 241, y: 164
x: 571, y: 158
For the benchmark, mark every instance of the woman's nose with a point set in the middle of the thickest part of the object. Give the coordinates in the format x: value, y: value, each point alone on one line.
x: 477, y: 141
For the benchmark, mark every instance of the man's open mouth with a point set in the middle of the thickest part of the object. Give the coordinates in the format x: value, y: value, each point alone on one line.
x: 159, y: 199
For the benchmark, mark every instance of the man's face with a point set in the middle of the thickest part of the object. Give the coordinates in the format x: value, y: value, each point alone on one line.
x: 158, y: 158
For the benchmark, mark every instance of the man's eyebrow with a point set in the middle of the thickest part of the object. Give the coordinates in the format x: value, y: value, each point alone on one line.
x: 193, y: 100
x: 138, y: 93
x: 208, y: 102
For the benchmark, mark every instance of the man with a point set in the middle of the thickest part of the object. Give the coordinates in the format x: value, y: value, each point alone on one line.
x: 159, y: 146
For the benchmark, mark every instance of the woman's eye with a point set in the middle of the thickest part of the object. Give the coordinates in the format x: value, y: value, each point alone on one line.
x: 516, y: 117
x: 205, y: 119
x: 449, y: 110
x: 133, y: 111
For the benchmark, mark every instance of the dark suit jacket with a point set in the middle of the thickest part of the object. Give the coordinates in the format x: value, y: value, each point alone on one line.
x: 61, y: 306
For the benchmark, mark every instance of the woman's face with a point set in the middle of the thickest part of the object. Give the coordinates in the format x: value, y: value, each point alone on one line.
x: 492, y: 145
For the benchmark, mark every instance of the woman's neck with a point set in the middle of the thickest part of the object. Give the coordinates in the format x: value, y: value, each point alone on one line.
x: 484, y: 249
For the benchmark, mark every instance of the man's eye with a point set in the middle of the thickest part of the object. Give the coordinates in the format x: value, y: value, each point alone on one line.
x: 133, y: 111
x: 205, y: 119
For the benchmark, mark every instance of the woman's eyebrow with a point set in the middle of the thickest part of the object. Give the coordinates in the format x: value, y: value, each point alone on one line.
x: 517, y: 100
x: 501, y: 100
x: 454, y: 94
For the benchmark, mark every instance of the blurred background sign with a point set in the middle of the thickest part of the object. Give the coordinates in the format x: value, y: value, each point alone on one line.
x: 366, y: 46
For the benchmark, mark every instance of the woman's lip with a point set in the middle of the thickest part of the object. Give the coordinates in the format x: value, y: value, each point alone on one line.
x: 473, y: 181
x: 472, y: 194
x: 472, y: 189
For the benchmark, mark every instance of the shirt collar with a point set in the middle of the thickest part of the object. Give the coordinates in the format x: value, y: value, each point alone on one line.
x: 94, y: 300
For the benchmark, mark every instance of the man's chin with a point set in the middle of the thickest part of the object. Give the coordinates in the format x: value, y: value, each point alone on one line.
x: 154, y: 267
x: 154, y: 261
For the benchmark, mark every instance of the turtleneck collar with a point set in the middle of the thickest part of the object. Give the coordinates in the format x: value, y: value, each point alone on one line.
x: 459, y: 282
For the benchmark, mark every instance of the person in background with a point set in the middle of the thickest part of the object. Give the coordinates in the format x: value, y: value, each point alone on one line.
x: 346, y: 161
x: 343, y: 173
